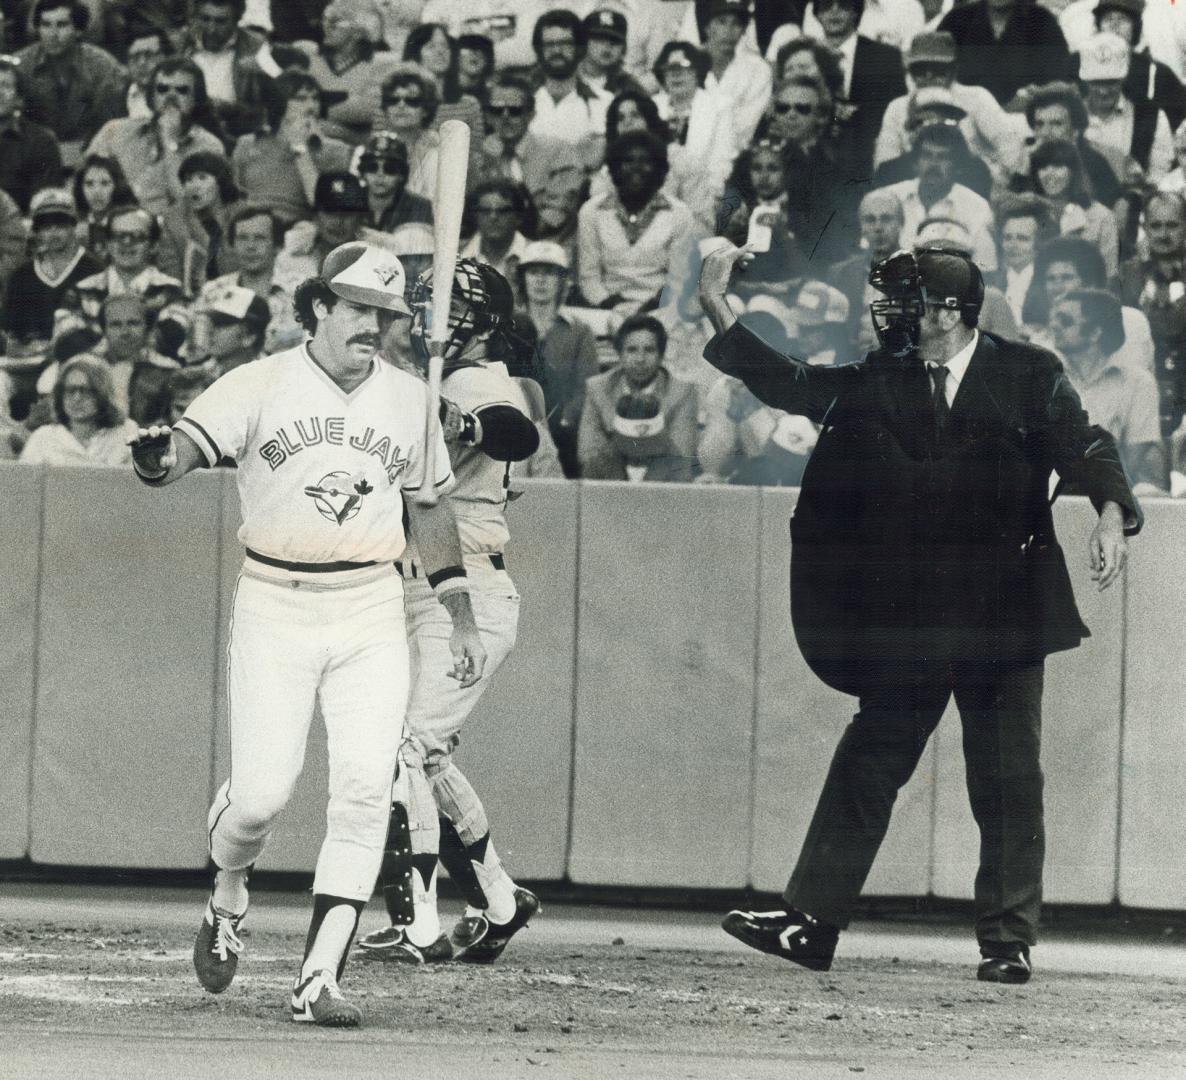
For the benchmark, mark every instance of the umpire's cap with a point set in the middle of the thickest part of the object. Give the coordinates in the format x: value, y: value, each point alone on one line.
x: 951, y: 279
x: 365, y: 274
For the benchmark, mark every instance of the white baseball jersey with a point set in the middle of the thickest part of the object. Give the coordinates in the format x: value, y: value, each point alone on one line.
x: 479, y: 498
x: 320, y: 471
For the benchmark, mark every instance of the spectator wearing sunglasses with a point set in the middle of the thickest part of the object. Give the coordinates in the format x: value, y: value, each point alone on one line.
x: 410, y: 98
x: 499, y: 209
x: 132, y: 239
x: 383, y: 169
x: 511, y: 150
x: 71, y: 86
x: 151, y: 151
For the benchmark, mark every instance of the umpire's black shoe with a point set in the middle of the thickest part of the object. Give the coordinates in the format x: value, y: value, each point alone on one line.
x: 789, y: 934
x: 488, y: 943
x: 1014, y: 968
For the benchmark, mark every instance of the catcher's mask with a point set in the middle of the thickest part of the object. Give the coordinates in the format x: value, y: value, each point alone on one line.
x: 481, y: 302
x: 909, y: 282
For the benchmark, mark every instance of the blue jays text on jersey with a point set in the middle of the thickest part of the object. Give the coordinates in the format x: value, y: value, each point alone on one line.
x: 290, y: 439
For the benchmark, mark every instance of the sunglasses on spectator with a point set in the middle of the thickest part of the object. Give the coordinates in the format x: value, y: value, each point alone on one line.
x: 183, y: 89
x: 781, y: 108
x: 129, y: 237
x: 413, y: 101
x: 506, y: 209
x: 387, y: 166
x: 1065, y: 321
x: 506, y: 110
x: 78, y: 388
x: 931, y: 71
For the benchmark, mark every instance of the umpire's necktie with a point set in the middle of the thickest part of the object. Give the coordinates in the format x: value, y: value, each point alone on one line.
x: 939, y: 375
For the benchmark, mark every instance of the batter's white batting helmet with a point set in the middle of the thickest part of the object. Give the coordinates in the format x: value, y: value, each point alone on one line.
x: 365, y: 274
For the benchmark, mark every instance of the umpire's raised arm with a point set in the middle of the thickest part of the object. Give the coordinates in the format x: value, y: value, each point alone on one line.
x: 774, y: 378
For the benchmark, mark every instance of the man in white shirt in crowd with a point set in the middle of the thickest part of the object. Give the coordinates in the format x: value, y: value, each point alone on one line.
x: 739, y: 75
x: 566, y: 107
x: 1134, y: 129
x: 934, y: 193
x: 992, y: 134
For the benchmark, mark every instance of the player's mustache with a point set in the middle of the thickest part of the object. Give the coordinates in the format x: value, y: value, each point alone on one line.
x: 364, y: 339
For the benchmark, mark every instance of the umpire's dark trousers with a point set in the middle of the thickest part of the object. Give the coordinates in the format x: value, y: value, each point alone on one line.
x: 1001, y: 715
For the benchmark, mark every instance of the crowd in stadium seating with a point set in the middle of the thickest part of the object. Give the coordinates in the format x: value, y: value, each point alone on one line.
x: 171, y: 170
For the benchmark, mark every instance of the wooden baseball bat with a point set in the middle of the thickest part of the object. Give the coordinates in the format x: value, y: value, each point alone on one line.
x: 452, y: 165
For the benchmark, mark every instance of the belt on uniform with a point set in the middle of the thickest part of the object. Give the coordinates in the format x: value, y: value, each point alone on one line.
x: 496, y: 560
x: 308, y: 567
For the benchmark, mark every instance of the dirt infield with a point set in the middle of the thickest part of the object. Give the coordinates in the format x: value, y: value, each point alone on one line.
x: 91, y: 1000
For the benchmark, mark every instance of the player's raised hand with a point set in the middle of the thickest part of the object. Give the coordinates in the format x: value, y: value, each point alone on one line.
x: 469, y: 657
x: 153, y: 450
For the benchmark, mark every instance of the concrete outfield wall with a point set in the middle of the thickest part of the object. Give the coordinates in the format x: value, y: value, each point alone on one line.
x: 1152, y: 777
x: 665, y: 685
x: 125, y: 691
x: 20, y: 539
x: 655, y: 726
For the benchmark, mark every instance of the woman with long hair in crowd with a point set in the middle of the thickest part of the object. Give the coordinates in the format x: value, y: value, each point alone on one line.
x: 88, y: 428
x: 703, y: 145
x: 99, y: 185
x: 430, y: 46
x: 1056, y: 174
x: 193, y: 246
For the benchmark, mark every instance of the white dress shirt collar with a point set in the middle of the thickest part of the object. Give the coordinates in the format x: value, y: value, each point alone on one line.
x: 957, y: 366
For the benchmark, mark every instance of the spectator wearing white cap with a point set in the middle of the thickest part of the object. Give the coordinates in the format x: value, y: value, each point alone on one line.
x: 992, y: 133
x: 566, y: 349
x: 232, y: 328
x: 59, y: 261
x: 1157, y: 35
x: 703, y: 143
x: 1137, y: 129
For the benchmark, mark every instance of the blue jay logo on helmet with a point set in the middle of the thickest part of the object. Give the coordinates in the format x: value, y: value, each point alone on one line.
x: 481, y: 301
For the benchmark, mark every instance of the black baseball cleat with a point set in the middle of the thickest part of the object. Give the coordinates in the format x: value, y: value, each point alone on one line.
x: 1014, y: 968
x: 217, y: 948
x: 392, y: 945
x: 790, y: 934
x: 480, y: 941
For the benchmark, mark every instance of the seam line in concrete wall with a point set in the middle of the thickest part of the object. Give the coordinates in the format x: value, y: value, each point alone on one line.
x: 752, y: 803
x: 576, y: 653
x: 40, y: 591
x: 1124, y: 597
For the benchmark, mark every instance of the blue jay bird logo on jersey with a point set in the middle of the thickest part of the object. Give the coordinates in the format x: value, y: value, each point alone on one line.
x: 338, y: 495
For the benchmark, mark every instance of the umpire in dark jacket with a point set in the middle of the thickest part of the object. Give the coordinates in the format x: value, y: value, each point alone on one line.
x: 924, y: 566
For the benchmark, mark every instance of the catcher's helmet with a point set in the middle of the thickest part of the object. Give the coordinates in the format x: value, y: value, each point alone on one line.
x: 481, y: 301
x: 365, y: 274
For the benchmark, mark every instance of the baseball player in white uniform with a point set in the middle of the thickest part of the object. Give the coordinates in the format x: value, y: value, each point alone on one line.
x: 436, y: 812
x: 329, y: 443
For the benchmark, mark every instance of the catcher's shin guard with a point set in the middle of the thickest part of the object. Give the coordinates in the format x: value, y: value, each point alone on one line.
x: 457, y: 860
x: 395, y: 872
